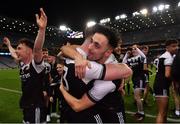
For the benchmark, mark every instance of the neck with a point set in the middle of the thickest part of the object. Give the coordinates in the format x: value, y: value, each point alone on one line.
x: 85, y: 46
x: 27, y: 60
x: 170, y: 52
x: 103, y: 60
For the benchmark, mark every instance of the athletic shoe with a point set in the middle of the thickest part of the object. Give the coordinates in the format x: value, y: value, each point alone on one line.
x: 139, y: 116
x: 58, y: 121
x: 55, y: 115
x: 177, y: 113
x: 48, y: 119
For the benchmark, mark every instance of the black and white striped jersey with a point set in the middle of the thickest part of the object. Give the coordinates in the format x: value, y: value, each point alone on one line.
x: 32, y: 76
x: 161, y: 81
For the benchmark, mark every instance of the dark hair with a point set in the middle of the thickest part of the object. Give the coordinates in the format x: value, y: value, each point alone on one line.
x: 129, y: 48
x: 169, y: 42
x: 44, y: 49
x: 144, y: 47
x: 112, y: 36
x: 27, y: 42
x: 60, y: 61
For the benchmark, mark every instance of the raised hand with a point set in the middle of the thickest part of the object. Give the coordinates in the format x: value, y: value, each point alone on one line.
x: 42, y: 19
x: 6, y: 41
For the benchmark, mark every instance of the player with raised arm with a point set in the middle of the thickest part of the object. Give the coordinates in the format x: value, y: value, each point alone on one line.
x: 30, y: 60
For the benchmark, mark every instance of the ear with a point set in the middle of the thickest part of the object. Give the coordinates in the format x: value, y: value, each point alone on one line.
x: 29, y: 50
x: 109, y: 52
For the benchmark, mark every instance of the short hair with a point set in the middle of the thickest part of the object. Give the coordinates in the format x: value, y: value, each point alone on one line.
x: 27, y: 42
x: 45, y: 49
x: 60, y: 61
x: 112, y: 36
x: 169, y: 42
x: 144, y: 47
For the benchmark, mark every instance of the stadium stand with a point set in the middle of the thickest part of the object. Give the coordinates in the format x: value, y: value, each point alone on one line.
x: 151, y: 29
x: 7, y: 62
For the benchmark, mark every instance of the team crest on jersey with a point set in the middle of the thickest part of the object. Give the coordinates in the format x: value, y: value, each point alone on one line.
x: 26, y: 68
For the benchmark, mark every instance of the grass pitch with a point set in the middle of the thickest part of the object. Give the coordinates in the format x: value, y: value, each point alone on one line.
x: 10, y: 92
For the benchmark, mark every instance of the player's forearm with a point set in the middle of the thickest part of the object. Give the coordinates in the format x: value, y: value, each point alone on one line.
x: 70, y: 52
x: 38, y: 45
x: 71, y: 100
x: 13, y: 52
x: 145, y: 66
x: 117, y: 71
x: 140, y: 53
x: 168, y: 71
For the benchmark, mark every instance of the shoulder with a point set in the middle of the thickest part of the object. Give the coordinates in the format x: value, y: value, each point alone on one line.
x: 166, y: 55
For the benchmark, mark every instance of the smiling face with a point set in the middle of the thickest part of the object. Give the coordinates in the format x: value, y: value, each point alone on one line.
x: 60, y: 68
x: 134, y: 51
x: 99, y: 48
x: 45, y: 55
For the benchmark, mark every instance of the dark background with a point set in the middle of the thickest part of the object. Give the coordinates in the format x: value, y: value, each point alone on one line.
x: 74, y: 13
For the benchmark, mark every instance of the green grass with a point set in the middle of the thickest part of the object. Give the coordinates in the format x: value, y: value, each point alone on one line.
x: 150, y: 109
x: 9, y: 111
x: 9, y: 101
x: 10, y: 79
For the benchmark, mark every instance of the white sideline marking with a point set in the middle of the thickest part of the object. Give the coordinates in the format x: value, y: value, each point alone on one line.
x: 152, y: 116
x: 14, y: 91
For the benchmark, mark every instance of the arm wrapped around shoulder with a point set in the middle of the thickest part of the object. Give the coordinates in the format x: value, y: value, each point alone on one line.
x: 117, y: 71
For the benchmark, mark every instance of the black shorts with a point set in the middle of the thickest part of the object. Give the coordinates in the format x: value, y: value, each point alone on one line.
x: 161, y: 86
x: 159, y: 91
x: 139, y: 83
x: 34, y: 115
x: 146, y: 77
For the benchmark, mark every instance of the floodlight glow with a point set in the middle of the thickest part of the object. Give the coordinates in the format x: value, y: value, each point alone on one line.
x: 179, y: 4
x: 90, y: 23
x: 62, y: 28
x: 161, y: 7
x: 68, y: 29
x: 155, y: 9
x: 166, y: 6
x: 117, y: 17
x: 144, y: 11
x: 136, y: 13
x: 102, y: 21
x: 123, y: 16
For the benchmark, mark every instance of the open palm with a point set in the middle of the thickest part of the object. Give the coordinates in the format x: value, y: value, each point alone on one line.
x: 42, y: 20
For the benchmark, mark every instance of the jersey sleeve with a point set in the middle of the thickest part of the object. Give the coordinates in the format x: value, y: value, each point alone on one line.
x: 168, y: 61
x: 100, y: 89
x: 97, y: 71
x: 38, y: 66
x: 145, y: 61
